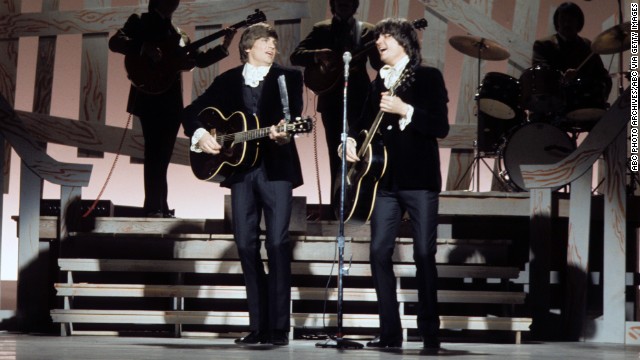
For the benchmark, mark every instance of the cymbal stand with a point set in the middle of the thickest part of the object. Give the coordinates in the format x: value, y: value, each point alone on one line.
x: 478, y: 155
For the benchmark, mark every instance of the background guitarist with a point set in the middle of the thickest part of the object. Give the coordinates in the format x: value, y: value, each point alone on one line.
x: 412, y: 122
x: 266, y: 187
x: 159, y: 113
x: 323, y: 49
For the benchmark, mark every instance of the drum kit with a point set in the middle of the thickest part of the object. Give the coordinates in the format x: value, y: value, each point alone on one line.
x: 529, y: 120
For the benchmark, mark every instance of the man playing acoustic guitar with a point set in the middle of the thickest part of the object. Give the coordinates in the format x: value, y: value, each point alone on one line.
x: 321, y: 55
x: 409, y: 122
x: 154, y: 40
x: 262, y: 185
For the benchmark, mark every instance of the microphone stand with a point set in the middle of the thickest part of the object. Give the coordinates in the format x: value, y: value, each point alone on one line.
x: 339, y: 342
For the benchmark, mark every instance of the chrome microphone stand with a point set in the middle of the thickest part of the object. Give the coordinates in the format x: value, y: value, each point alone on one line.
x: 338, y: 341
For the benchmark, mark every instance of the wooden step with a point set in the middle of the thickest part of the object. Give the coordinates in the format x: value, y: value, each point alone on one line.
x: 297, y: 268
x: 297, y: 319
x: 297, y: 293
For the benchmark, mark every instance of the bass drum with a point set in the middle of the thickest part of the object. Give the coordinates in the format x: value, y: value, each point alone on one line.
x: 533, y: 144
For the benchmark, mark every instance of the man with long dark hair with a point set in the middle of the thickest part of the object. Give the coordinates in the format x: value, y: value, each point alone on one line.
x: 267, y: 185
x: 159, y: 111
x: 415, y: 116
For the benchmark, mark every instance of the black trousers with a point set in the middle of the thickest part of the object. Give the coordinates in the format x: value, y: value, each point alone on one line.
x: 268, y: 296
x: 422, y: 206
x: 159, y: 131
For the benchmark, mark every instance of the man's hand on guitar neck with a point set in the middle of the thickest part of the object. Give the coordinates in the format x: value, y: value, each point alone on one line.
x: 280, y: 138
x: 208, y: 143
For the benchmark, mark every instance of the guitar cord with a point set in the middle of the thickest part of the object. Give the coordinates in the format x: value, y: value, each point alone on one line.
x: 113, y: 166
x: 315, y: 148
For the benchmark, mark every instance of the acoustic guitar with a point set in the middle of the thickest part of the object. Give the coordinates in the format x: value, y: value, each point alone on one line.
x: 235, y: 134
x: 320, y: 79
x: 156, y: 77
x: 362, y: 177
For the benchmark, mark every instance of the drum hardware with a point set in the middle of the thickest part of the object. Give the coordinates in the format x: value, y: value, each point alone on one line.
x: 498, y: 106
x: 474, y: 167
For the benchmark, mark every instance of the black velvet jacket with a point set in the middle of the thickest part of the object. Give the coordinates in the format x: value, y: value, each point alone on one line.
x: 413, y: 161
x: 281, y: 162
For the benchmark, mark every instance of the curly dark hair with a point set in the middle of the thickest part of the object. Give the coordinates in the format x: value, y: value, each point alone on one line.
x: 403, y: 32
x: 570, y: 9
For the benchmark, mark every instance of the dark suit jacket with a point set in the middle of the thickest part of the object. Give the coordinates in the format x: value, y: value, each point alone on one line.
x: 150, y: 27
x: 225, y: 93
x: 562, y: 55
x: 413, y: 157
x: 330, y: 35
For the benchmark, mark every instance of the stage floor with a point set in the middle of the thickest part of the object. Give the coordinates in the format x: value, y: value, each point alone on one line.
x: 26, y: 347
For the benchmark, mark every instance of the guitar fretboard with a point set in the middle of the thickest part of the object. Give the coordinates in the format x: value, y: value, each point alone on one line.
x: 249, y: 135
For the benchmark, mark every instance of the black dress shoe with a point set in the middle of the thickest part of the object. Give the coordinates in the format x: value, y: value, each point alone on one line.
x: 253, y: 338
x: 155, y: 214
x: 431, y: 343
x: 279, y: 338
x: 382, y: 343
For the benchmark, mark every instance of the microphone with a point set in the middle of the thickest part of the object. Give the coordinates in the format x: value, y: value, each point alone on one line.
x: 346, y: 57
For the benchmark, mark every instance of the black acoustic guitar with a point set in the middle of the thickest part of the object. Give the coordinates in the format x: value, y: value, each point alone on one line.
x: 363, y: 176
x: 156, y: 77
x: 320, y: 79
x: 234, y: 134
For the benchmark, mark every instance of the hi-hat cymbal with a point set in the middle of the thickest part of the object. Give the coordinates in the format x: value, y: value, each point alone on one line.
x: 478, y: 47
x: 613, y: 40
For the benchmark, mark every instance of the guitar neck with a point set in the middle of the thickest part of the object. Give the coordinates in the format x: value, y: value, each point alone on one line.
x: 372, y: 131
x: 244, y: 136
x: 209, y: 38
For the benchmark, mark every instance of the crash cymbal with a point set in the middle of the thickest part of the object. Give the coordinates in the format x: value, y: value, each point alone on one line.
x: 478, y: 47
x: 613, y: 40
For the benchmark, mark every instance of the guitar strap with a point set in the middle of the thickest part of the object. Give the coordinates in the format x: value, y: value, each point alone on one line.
x: 284, y: 98
x: 357, y: 34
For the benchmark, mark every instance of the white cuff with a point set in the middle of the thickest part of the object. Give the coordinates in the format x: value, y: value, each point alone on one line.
x: 406, y: 119
x: 197, y: 135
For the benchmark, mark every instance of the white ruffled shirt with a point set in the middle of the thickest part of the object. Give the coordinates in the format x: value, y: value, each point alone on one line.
x: 252, y: 76
x: 390, y: 75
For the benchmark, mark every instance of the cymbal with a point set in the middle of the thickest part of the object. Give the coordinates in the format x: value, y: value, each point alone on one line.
x: 613, y: 40
x: 478, y: 47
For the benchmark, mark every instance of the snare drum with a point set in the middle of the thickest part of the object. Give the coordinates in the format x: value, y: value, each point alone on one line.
x: 499, y: 96
x: 533, y: 144
x: 585, y: 100
x: 542, y: 90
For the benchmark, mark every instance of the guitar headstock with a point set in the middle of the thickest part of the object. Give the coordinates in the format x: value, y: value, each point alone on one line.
x: 405, y: 79
x: 300, y: 126
x: 256, y: 17
x: 419, y: 24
